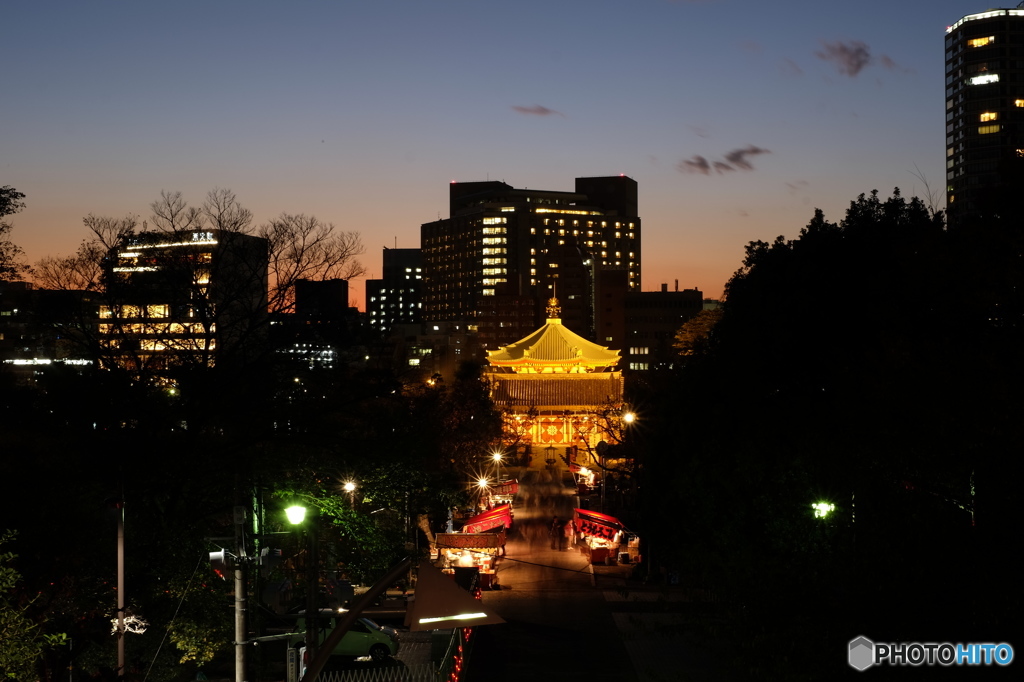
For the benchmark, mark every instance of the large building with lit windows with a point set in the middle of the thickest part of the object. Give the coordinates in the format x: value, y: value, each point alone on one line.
x: 396, y: 298
x: 174, y: 301
x: 985, y: 115
x: 503, y: 252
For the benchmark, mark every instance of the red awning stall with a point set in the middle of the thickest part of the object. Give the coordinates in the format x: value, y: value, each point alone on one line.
x: 492, y: 518
x: 604, y: 538
x: 505, y: 491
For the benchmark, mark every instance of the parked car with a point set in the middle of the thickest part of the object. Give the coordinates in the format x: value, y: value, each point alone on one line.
x: 364, y: 638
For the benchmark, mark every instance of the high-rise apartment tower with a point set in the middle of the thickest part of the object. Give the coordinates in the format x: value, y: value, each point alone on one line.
x: 985, y: 115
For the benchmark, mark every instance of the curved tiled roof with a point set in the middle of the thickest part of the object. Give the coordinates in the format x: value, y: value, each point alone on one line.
x: 553, y: 346
x: 556, y: 391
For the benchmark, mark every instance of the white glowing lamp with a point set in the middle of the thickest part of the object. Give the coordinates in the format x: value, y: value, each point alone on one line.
x: 822, y: 509
x: 296, y: 514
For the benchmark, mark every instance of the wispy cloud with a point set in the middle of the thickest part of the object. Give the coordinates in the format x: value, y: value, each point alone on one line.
x: 738, y: 157
x: 700, y: 130
x: 736, y: 160
x: 537, y: 110
x: 695, y: 164
x: 790, y: 68
x: 852, y: 57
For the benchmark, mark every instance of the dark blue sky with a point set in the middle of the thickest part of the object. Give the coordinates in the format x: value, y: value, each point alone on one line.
x: 735, y: 117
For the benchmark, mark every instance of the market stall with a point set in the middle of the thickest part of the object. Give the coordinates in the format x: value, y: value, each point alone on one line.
x: 505, y: 491
x: 500, y: 516
x: 604, y: 539
x: 468, y: 550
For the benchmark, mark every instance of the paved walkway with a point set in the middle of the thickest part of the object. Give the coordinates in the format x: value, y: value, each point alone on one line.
x: 568, y: 619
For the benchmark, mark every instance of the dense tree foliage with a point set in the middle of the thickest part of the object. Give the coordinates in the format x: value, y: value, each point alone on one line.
x: 872, y: 364
x: 11, y: 263
x: 408, y: 448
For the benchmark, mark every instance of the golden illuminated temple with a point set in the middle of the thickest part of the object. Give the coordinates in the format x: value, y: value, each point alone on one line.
x: 560, y: 392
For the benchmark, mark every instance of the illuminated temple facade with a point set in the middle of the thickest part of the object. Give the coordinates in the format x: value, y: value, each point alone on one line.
x: 562, y: 395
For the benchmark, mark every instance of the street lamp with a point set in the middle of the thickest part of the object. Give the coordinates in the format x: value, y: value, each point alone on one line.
x: 296, y: 515
x: 350, y: 488
x: 497, y: 467
x: 822, y: 509
x: 482, y: 485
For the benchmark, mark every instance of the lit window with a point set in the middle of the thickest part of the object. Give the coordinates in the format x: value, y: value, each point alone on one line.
x: 981, y: 42
x: 1019, y: 103
x: 495, y: 221
x: 1020, y: 153
x: 987, y: 78
x: 986, y: 130
x: 989, y: 116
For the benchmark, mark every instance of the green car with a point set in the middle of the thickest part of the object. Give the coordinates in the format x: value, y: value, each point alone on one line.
x: 364, y: 638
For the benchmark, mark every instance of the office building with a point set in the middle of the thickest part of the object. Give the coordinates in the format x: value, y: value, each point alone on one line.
x: 174, y: 301
x: 503, y: 252
x: 652, y: 320
x: 396, y: 298
x: 985, y: 115
x: 42, y: 329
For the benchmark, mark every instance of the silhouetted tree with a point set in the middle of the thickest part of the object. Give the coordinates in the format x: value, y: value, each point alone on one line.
x: 868, y: 363
x: 11, y: 264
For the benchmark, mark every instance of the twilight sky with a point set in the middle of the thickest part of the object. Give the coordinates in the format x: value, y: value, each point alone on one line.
x: 737, y: 118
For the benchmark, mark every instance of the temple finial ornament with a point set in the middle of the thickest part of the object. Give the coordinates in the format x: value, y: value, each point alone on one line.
x: 554, y: 310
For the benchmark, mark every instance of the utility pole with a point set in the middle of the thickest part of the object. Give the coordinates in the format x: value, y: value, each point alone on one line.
x: 240, y: 594
x: 120, y: 590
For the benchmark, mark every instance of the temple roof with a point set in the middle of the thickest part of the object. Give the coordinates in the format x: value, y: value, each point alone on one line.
x: 556, y: 391
x: 553, y: 348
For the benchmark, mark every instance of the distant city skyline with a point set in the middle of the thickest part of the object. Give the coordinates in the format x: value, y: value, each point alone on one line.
x: 736, y: 118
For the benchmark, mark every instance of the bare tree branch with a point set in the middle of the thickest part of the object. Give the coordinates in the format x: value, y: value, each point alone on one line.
x: 223, y: 212
x: 304, y: 247
x: 109, y: 232
x: 78, y: 272
x: 172, y: 214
